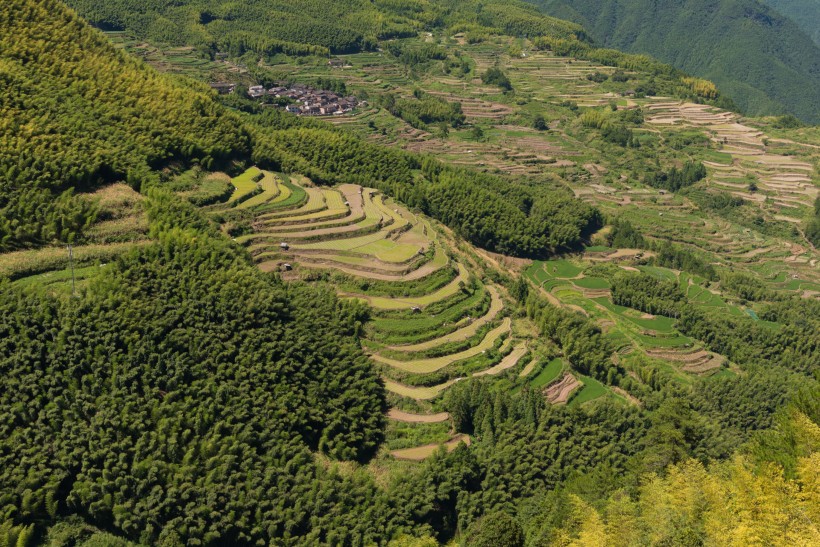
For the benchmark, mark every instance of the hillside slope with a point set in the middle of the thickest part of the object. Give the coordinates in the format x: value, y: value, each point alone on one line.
x: 806, y: 13
x: 306, y: 26
x: 208, y: 381
x: 755, y: 55
x: 74, y: 113
x: 118, y: 120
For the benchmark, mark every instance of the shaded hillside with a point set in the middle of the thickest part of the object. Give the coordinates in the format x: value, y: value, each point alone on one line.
x: 755, y: 55
x: 806, y: 13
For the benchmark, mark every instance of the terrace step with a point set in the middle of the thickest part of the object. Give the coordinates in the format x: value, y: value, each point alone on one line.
x: 410, y: 418
x: 496, y: 305
x: 433, y: 364
x: 419, y: 453
x: 507, y: 362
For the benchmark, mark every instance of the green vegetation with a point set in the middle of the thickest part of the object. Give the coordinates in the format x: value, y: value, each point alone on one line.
x: 246, y: 185
x: 423, y: 109
x: 87, y: 135
x: 723, y: 43
x: 494, y: 76
x: 813, y: 227
x: 675, y: 179
x: 177, y: 350
x: 805, y: 13
x: 549, y: 373
x: 281, y: 330
x: 274, y: 26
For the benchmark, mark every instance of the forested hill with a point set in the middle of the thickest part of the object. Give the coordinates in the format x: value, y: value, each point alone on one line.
x: 758, y: 57
x: 308, y: 26
x: 78, y: 113
x: 75, y: 113
x: 806, y: 13
x: 272, y: 329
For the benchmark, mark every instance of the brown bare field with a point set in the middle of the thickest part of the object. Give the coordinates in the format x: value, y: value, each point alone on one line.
x: 558, y: 392
x: 419, y: 453
x: 694, y: 360
x: 410, y: 418
x: 711, y: 364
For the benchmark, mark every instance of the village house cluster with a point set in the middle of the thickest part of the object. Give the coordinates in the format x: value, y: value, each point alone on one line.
x: 307, y: 100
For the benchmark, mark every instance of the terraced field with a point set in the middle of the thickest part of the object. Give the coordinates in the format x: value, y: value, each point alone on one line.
x: 784, y: 182
x: 433, y: 321
x: 633, y: 332
x: 736, y: 154
x: 432, y: 324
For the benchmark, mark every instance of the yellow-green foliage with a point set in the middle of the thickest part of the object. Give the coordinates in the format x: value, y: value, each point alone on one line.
x: 701, y: 87
x: 411, y: 541
x: 594, y: 118
x: 74, y: 111
x: 731, y: 503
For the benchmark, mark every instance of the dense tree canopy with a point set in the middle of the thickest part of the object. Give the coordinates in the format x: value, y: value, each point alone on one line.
x: 309, y: 26
x: 75, y: 112
x: 758, y: 57
x: 117, y: 119
x: 181, y: 396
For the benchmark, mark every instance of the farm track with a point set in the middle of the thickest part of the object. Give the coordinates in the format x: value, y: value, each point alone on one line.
x: 419, y: 453
x: 410, y: 418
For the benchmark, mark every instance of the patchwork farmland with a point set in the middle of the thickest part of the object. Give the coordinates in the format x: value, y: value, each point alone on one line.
x: 435, y: 314
x: 433, y: 320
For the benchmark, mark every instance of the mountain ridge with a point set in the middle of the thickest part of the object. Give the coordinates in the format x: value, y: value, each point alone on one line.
x: 754, y: 54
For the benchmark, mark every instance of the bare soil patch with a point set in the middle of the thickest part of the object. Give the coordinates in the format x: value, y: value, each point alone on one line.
x: 408, y: 417
x: 558, y: 392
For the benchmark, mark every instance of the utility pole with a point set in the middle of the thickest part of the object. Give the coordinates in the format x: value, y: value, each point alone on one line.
x: 71, y: 263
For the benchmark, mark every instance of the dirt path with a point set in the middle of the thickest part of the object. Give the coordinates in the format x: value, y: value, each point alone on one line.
x: 419, y: 453
x: 507, y: 362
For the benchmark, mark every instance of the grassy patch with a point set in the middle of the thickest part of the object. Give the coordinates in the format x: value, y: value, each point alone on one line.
x: 591, y: 283
x: 548, y: 374
x: 592, y: 390
x: 245, y: 184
